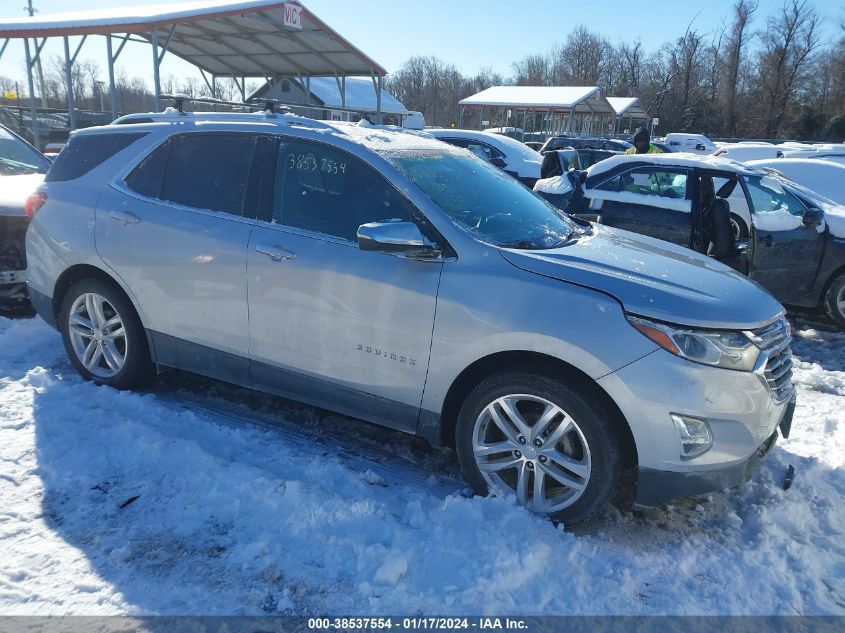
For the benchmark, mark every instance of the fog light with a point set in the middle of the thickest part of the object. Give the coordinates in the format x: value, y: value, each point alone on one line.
x: 694, y: 434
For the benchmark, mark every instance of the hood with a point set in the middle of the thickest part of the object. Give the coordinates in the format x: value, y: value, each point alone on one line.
x: 655, y: 279
x: 14, y: 190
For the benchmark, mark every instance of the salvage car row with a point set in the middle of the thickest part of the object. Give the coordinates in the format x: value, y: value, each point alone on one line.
x: 386, y: 275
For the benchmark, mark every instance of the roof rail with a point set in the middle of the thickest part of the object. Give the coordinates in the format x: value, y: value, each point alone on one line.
x: 270, y: 106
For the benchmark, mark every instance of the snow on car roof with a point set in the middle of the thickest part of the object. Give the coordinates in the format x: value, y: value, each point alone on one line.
x: 671, y: 160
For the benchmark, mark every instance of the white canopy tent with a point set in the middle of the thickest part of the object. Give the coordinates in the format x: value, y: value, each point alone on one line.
x: 581, y: 109
x: 240, y: 39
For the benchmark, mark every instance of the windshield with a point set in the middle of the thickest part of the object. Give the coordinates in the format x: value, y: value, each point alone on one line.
x: 814, y: 196
x: 16, y: 157
x: 485, y: 201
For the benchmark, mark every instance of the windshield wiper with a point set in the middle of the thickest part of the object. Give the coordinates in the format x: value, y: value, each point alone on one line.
x: 525, y: 244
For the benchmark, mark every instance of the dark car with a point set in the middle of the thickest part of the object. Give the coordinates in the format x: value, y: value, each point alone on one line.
x: 788, y: 245
x: 590, y: 157
x: 584, y: 142
x: 22, y: 168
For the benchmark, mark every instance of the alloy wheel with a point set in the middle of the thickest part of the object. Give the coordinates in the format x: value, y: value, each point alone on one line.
x: 528, y: 446
x: 98, y: 335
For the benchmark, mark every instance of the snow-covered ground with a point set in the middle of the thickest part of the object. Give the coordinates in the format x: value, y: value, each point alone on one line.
x: 201, y: 498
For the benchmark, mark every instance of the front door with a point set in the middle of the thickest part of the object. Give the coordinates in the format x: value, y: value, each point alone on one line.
x: 176, y: 232
x: 654, y: 201
x: 785, y: 254
x: 331, y: 324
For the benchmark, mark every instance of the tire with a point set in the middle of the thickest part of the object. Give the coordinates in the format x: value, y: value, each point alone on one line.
x: 740, y: 228
x: 110, y: 348
x: 834, y: 300
x: 588, y: 446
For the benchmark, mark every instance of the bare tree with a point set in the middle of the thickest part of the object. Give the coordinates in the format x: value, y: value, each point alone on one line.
x: 738, y: 38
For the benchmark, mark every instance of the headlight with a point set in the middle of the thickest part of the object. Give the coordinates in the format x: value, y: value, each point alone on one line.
x: 721, y: 348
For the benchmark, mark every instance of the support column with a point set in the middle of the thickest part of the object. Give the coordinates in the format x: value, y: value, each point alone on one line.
x: 71, y: 105
x: 378, y: 100
x: 35, y: 132
x: 156, y: 79
x: 112, y: 89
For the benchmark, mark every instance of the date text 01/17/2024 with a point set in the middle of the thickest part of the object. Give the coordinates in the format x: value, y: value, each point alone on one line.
x: 417, y: 623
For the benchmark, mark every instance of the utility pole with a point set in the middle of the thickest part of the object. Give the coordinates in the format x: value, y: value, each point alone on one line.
x: 32, y: 11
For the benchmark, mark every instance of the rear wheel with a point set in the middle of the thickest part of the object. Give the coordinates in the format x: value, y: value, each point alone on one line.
x: 534, y: 437
x: 834, y: 300
x: 103, y: 336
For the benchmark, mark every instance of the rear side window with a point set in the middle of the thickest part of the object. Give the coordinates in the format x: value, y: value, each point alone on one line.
x: 203, y: 171
x: 84, y: 153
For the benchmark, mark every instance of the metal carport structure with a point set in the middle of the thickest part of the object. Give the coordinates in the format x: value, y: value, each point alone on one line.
x: 247, y: 38
x: 630, y: 108
x: 581, y: 109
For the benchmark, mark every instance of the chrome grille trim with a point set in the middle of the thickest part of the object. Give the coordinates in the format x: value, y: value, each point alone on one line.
x: 775, y: 358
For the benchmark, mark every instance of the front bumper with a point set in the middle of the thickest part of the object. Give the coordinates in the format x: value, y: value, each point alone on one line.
x: 655, y: 487
x: 739, y: 408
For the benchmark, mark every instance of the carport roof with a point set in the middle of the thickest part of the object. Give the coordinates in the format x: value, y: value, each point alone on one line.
x: 629, y: 106
x: 247, y: 38
x: 586, y: 99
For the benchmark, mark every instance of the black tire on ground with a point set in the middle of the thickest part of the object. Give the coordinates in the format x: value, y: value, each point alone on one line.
x: 740, y: 226
x: 137, y: 368
x: 834, y: 298
x: 594, y: 418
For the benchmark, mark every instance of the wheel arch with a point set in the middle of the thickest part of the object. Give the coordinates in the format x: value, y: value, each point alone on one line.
x: 473, y: 374
x: 78, y: 272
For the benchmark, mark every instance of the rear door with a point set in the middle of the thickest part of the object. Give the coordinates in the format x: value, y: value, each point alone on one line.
x: 176, y: 231
x: 654, y: 201
x: 785, y: 254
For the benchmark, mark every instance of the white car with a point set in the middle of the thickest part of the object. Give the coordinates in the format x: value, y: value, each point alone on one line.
x: 743, y: 152
x: 822, y: 176
x: 508, y: 154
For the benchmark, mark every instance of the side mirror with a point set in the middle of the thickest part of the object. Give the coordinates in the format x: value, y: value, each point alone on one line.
x: 498, y: 161
x: 403, y: 239
x: 813, y: 217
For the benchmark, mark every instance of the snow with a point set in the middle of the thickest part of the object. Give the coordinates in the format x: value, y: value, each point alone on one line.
x: 747, y: 151
x: 677, y: 159
x: 532, y: 96
x: 556, y: 184
x: 129, y: 14
x: 777, y: 221
x: 836, y: 224
x: 248, y: 504
x: 360, y: 94
x: 621, y: 105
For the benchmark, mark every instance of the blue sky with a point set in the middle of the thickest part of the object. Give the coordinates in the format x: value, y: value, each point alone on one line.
x: 471, y: 34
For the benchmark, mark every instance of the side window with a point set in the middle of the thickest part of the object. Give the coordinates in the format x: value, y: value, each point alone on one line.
x: 768, y: 196
x: 321, y: 189
x: 484, y: 151
x: 655, y: 182
x: 208, y: 171
x: 147, y: 178
x: 84, y: 153
x: 611, y: 185
x: 736, y: 198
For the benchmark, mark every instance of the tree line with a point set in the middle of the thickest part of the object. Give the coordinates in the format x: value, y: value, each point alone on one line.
x: 749, y: 78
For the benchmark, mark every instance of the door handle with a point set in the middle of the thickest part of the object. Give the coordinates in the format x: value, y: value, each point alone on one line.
x: 126, y: 217
x: 277, y: 253
x: 767, y: 240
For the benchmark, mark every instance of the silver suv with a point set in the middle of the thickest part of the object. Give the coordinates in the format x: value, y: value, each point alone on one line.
x: 392, y: 277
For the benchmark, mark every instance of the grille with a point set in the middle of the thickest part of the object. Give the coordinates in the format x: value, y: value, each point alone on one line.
x: 774, y: 340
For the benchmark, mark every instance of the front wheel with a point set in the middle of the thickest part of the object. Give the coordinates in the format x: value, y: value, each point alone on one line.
x: 103, y: 335
x: 541, y: 440
x: 834, y: 300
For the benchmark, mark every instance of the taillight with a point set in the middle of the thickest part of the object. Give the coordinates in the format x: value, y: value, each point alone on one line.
x: 34, y: 203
